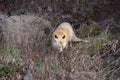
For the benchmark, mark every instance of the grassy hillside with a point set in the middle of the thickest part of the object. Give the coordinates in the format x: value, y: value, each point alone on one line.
x: 25, y: 40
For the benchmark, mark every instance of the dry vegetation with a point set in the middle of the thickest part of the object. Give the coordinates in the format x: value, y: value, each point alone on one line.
x: 25, y: 40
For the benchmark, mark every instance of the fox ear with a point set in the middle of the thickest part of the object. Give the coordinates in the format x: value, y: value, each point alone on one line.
x: 56, y: 36
x: 63, y: 37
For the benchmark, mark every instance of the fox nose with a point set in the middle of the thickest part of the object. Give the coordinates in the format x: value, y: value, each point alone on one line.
x: 60, y: 42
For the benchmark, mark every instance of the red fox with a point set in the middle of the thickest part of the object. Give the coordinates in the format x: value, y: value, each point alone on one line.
x: 63, y: 35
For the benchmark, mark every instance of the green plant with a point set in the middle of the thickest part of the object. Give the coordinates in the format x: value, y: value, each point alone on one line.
x: 109, y: 36
x: 107, y: 77
x: 12, y: 53
x: 91, y: 30
x: 95, y: 29
x: 83, y: 32
x: 39, y: 63
x: 4, y: 71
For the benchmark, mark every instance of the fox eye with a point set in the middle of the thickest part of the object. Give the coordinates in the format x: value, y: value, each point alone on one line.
x: 56, y: 36
x: 63, y: 37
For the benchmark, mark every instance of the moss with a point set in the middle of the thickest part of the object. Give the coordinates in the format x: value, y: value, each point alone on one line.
x: 109, y: 36
x: 84, y: 32
x: 99, y: 43
x: 91, y: 30
x: 95, y: 29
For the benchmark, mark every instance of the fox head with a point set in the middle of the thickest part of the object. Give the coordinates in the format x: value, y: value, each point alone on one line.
x: 60, y: 40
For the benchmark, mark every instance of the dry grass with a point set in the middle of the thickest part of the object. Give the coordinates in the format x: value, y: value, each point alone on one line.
x: 26, y: 54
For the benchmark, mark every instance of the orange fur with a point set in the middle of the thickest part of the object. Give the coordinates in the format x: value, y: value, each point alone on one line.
x: 63, y: 35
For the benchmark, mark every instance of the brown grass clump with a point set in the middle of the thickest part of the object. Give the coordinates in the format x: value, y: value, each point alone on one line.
x: 25, y: 31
